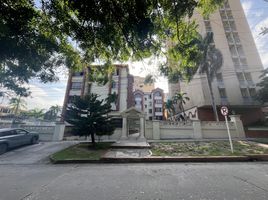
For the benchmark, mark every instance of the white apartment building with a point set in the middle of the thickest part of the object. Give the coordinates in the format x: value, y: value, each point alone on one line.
x: 235, y: 83
x: 151, y: 103
x: 121, y: 83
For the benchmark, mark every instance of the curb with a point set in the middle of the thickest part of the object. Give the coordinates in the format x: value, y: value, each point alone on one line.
x: 158, y: 159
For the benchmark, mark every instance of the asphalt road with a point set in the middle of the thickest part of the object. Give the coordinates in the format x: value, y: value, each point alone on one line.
x: 134, y: 181
x: 32, y: 154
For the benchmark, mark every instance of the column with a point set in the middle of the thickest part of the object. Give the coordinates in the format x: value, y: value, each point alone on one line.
x: 197, y: 129
x: 156, y: 130
x: 142, y: 127
x: 124, y: 128
x: 238, y: 125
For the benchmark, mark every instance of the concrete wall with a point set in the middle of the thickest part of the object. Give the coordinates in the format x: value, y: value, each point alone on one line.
x: 162, y: 130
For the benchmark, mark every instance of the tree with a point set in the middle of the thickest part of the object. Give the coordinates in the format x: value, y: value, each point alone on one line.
x: 36, y: 113
x: 52, y: 113
x: 36, y: 40
x: 262, y: 93
x: 211, y: 62
x: 17, y: 104
x: 169, y: 106
x: 149, y: 79
x: 89, y: 115
x: 180, y: 98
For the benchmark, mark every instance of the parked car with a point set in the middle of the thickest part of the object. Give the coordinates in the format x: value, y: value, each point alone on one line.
x: 15, y: 137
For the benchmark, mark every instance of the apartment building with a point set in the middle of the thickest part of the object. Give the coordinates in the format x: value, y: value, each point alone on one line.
x: 140, y: 85
x: 121, y: 83
x: 235, y: 83
x: 151, y: 103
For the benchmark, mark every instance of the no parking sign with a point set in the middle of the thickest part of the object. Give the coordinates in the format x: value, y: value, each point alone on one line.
x: 224, y: 112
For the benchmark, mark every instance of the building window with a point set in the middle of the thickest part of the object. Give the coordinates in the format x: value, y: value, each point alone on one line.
x: 114, y: 85
x: 240, y: 50
x: 208, y: 26
x: 157, y: 94
x: 158, y: 109
x: 248, y: 77
x: 240, y: 76
x: 150, y: 103
x: 219, y: 77
x: 244, y: 92
x: 222, y: 92
x: 145, y: 99
x: 145, y: 106
x: 158, y: 101
x: 150, y: 111
x: 252, y: 92
x: 150, y: 118
x: 78, y: 73
x: 76, y: 85
x: 150, y: 96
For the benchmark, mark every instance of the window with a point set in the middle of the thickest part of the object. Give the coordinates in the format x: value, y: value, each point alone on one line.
x: 236, y: 37
x: 158, y: 109
x: 150, y: 103
x: 150, y: 118
x: 208, y: 26
x: 21, y: 131
x: 157, y: 94
x: 243, y: 61
x: 78, y: 74
x: 150, y: 111
x: 244, y: 92
x: 248, y: 76
x: 158, y: 101
x: 229, y: 14
x: 236, y: 61
x: 229, y: 37
x: 150, y: 96
x: 222, y: 92
x: 76, y: 85
x: 233, y: 50
x: 252, y: 92
x: 114, y: 85
x: 145, y: 99
x: 219, y: 77
x: 240, y: 50
x: 240, y: 77
x: 145, y: 106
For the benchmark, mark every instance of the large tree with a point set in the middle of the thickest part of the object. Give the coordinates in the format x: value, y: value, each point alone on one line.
x: 17, y: 104
x: 180, y: 98
x: 35, y: 40
x: 211, y: 62
x: 89, y: 115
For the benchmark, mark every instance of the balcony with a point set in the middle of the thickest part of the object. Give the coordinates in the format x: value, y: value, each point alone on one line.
x: 158, y: 113
x: 158, y: 97
x: 75, y: 92
x: 158, y: 105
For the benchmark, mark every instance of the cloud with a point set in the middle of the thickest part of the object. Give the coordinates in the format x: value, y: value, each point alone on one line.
x: 247, y: 5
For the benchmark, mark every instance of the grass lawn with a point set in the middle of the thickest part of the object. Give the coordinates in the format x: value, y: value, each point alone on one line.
x: 217, y: 148
x: 82, y: 151
x: 261, y: 140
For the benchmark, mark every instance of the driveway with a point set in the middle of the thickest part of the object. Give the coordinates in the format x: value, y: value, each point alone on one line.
x: 33, y: 154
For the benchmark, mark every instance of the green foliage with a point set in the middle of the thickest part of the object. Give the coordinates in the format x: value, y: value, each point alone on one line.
x: 180, y: 98
x: 211, y: 62
x: 169, y: 106
x: 17, y: 104
x: 89, y: 115
x: 36, y: 41
x: 149, y: 79
x: 262, y: 93
x: 52, y: 113
x: 35, y: 113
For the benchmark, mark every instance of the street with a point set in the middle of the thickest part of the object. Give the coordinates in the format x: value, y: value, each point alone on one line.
x: 32, y: 154
x: 134, y: 181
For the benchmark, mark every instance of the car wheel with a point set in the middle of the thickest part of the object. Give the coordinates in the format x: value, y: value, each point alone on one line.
x: 34, y: 140
x: 3, y: 148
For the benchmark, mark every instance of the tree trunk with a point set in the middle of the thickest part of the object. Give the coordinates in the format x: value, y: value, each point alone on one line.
x: 93, y: 139
x: 212, y: 99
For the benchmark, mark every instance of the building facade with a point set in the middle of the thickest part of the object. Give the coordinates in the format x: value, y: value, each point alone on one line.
x: 151, y: 103
x: 140, y: 85
x: 235, y: 83
x: 121, y: 84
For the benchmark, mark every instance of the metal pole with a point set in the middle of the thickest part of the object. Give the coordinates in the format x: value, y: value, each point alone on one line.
x: 229, y: 135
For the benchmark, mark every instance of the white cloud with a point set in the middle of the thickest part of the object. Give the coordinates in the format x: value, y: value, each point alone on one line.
x: 247, y: 5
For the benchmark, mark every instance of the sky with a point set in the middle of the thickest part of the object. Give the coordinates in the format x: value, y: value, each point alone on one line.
x: 46, y: 95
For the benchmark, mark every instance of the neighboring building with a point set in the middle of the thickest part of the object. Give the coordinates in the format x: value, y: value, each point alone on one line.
x: 139, y: 84
x: 5, y: 111
x: 121, y: 83
x: 235, y: 83
x: 151, y: 103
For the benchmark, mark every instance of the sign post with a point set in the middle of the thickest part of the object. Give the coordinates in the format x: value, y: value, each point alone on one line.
x: 224, y: 112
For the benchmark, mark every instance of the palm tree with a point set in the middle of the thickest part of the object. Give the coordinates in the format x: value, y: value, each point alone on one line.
x: 52, y: 113
x: 180, y: 98
x: 169, y: 106
x: 17, y: 104
x: 211, y: 62
x: 36, y: 113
